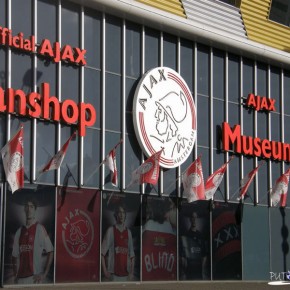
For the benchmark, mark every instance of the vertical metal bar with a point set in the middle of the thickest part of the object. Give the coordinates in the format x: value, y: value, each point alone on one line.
x: 123, y: 134
x: 34, y: 121
x: 82, y: 88
x: 59, y: 85
x: 226, y: 108
x: 103, y: 97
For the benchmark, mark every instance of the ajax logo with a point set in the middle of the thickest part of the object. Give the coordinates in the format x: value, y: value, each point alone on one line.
x: 164, y: 116
x: 77, y: 233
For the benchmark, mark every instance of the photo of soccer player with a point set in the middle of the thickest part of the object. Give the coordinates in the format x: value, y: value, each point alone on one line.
x: 29, y: 236
x: 120, y: 248
x: 159, y: 244
x: 194, y: 245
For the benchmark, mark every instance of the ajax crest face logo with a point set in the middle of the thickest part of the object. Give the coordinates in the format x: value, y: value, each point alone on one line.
x: 164, y: 116
x: 77, y: 233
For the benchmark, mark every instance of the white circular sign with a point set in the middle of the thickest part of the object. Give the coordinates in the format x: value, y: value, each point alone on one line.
x: 164, y: 116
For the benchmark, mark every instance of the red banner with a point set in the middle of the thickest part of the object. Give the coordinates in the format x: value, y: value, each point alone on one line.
x: 78, y: 235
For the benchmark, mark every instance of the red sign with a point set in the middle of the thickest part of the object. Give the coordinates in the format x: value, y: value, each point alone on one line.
x: 77, y: 236
x: 233, y: 140
x: 42, y: 105
x: 260, y: 103
x: 54, y: 51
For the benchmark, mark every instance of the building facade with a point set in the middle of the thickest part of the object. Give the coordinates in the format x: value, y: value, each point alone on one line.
x: 86, y: 57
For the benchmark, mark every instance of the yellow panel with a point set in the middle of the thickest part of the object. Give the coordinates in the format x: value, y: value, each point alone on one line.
x: 255, y: 16
x: 172, y: 6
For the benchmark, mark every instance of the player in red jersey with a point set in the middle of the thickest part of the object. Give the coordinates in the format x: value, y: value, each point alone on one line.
x: 159, y: 260
x: 30, y: 242
x: 118, y: 243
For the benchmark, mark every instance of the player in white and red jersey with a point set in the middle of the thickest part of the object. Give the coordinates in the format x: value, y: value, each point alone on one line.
x: 159, y: 244
x: 118, y: 243
x: 30, y: 242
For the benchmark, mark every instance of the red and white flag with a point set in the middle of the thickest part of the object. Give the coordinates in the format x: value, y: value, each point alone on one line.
x: 56, y: 160
x: 193, y: 182
x: 214, y: 180
x: 148, y: 171
x: 13, y: 160
x: 110, y: 161
x: 246, y: 181
x: 279, y: 192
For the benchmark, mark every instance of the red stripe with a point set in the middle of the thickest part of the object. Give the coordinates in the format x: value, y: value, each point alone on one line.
x: 222, y: 220
x: 227, y: 249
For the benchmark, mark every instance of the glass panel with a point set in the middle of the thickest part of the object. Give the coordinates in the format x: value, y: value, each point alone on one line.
x: 248, y: 77
x: 226, y: 242
x: 45, y: 150
x: 133, y: 50
x: 280, y: 11
x: 234, y: 78
x: 159, y: 224
x: 234, y: 113
x: 248, y: 167
x: 113, y: 44
x: 263, y: 183
x: 120, y: 218
x: 132, y: 162
x: 287, y: 93
x: 46, y: 73
x: 169, y: 51
x: 262, y: 125
x: 21, y: 72
x: 275, y: 127
x: 46, y: 20
x: 187, y: 62
x: 20, y: 207
x: 169, y: 182
x: 21, y: 17
x: 256, y: 256
x: 113, y: 102
x: 69, y: 167
x: 203, y: 70
x: 69, y: 83
x: 287, y: 129
x: 203, y: 132
x: 151, y: 48
x: 91, y: 161
x: 234, y: 179
x: 218, y: 74
x: 194, y: 241
x: 92, y: 38
x: 131, y: 85
x: 262, y: 80
x: 69, y: 24
x: 3, y: 13
x: 92, y: 92
x: 276, y: 87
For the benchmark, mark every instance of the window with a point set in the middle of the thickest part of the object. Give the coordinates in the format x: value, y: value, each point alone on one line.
x: 232, y: 2
x: 280, y: 11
